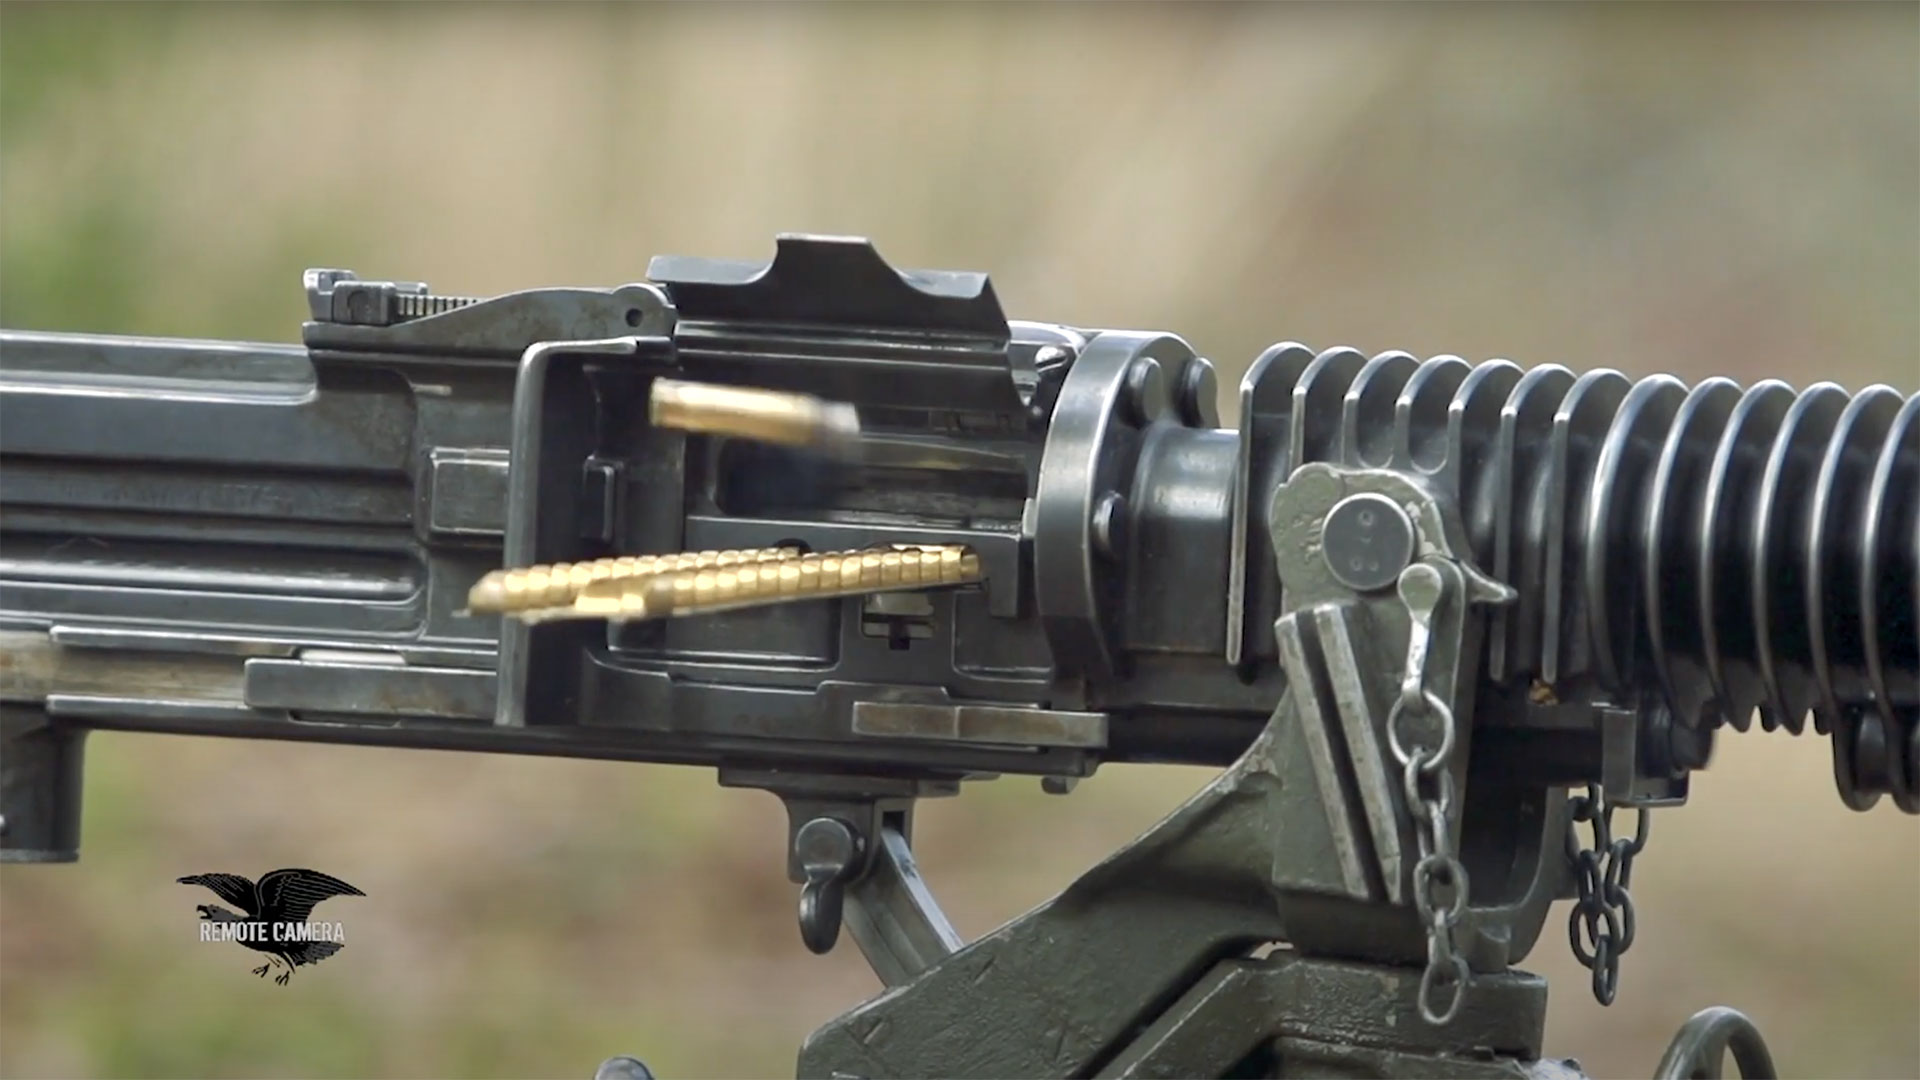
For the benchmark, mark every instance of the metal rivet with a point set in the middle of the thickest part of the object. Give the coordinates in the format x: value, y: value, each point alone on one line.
x: 1144, y: 397
x: 1199, y: 397
x: 1110, y: 525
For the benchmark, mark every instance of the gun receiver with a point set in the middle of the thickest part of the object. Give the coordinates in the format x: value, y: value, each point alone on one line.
x: 850, y: 535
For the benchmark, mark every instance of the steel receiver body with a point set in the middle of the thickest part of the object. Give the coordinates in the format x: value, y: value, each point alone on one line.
x: 849, y: 535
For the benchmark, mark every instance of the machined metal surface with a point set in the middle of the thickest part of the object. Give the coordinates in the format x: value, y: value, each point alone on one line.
x: 1429, y: 617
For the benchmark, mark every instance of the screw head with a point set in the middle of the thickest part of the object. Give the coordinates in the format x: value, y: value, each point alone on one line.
x: 1367, y: 540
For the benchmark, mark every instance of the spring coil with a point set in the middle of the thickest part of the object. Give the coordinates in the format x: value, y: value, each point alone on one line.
x: 1745, y: 551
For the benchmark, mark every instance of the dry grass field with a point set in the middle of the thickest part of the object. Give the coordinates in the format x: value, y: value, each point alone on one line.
x: 1700, y: 189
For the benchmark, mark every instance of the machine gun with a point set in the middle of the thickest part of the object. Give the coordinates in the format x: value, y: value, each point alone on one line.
x: 849, y: 535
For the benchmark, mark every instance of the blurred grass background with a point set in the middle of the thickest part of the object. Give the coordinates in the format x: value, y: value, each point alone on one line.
x: 1722, y: 189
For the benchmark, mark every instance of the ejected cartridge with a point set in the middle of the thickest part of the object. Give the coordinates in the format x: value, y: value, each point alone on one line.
x: 768, y: 416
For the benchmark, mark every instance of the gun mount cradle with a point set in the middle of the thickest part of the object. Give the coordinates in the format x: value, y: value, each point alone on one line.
x: 848, y: 535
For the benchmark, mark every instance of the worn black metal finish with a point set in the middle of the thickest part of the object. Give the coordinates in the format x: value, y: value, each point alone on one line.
x: 1698, y: 1052
x: 40, y: 787
x: 1405, y: 606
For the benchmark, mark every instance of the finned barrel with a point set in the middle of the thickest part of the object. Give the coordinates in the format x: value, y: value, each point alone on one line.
x: 1737, y: 551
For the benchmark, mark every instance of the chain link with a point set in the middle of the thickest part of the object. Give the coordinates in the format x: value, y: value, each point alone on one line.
x: 1600, y: 927
x: 1439, y: 879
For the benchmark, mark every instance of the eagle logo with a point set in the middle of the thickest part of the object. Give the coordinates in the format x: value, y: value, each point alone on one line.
x: 274, y: 916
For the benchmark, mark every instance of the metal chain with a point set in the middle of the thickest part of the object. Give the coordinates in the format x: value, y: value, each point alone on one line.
x: 1439, y: 879
x: 1600, y: 927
